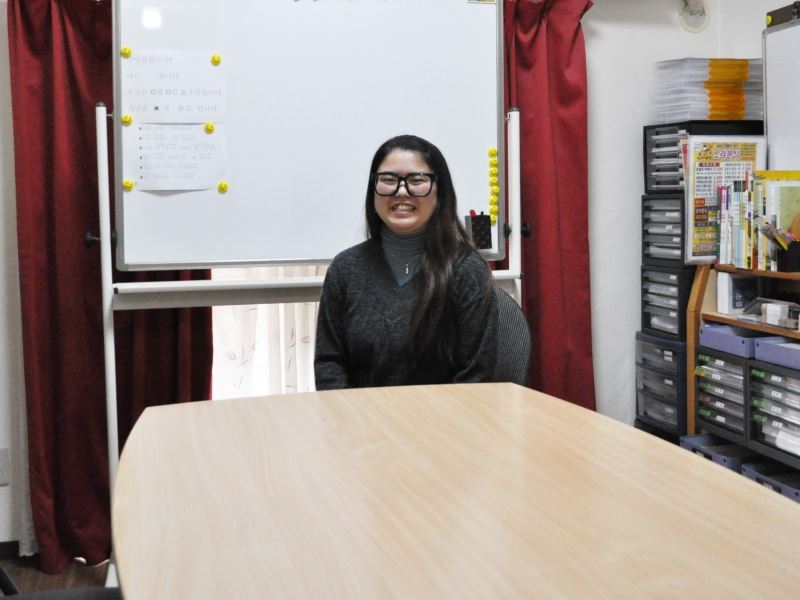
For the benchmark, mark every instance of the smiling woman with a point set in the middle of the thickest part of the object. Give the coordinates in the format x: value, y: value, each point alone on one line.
x: 413, y: 304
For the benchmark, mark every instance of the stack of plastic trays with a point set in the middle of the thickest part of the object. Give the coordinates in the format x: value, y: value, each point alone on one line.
x: 707, y: 89
x: 720, y: 394
x: 775, y: 410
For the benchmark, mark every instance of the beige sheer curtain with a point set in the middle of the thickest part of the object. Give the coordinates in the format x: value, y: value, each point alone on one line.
x: 266, y: 348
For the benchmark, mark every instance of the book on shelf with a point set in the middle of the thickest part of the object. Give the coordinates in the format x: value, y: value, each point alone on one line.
x: 776, y: 195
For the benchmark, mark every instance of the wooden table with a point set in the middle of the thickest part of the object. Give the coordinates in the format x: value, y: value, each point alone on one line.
x: 457, y: 491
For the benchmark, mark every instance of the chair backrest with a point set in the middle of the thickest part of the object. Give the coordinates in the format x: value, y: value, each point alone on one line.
x: 513, y: 341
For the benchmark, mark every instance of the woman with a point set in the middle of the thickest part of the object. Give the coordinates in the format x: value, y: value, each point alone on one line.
x: 414, y: 303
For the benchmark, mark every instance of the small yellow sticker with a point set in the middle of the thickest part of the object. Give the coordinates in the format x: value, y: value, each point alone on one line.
x: 222, y: 187
x: 128, y: 184
x: 126, y: 52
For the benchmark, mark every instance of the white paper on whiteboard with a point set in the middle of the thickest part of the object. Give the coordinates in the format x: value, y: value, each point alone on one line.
x: 173, y: 87
x: 174, y: 157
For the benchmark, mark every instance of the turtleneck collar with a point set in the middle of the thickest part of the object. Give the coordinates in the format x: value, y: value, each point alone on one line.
x: 402, y: 252
x: 402, y: 245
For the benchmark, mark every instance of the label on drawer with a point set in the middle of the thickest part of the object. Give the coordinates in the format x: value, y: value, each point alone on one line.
x: 788, y: 442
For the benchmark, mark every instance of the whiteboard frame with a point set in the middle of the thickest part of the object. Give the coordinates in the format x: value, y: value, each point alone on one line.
x: 500, y: 229
x: 781, y: 109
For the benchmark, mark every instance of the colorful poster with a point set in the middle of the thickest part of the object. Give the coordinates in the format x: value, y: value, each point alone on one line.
x: 715, y: 161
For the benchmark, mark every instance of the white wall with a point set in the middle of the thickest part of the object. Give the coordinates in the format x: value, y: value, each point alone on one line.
x: 624, y: 39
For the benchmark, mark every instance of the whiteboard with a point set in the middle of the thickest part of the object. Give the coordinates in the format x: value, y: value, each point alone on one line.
x: 781, y: 48
x: 298, y: 95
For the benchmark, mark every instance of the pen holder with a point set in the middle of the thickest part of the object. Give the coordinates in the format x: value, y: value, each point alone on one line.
x: 789, y: 260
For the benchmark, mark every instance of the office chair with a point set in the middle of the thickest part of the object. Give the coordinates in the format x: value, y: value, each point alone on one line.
x: 513, y: 341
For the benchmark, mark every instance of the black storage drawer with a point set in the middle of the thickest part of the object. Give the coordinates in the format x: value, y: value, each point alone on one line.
x: 663, y: 163
x: 662, y: 230
x: 721, y: 392
x: 665, y: 293
x: 773, y: 412
x: 661, y: 384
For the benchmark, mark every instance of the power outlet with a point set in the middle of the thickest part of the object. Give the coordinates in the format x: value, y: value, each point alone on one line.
x: 5, y: 467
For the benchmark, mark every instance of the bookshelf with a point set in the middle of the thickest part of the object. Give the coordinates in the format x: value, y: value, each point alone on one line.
x: 702, y: 307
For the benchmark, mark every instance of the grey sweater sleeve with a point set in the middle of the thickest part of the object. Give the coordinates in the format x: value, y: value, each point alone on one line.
x: 330, y: 360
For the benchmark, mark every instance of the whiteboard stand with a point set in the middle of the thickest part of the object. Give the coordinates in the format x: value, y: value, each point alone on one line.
x: 188, y: 294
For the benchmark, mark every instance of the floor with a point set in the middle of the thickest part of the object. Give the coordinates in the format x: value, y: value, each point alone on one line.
x: 27, y: 576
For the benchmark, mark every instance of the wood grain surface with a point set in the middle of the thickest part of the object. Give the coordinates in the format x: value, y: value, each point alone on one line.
x: 451, y: 491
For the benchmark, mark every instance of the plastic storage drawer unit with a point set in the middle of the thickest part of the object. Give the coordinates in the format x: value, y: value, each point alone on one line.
x: 661, y: 383
x: 774, y: 409
x: 775, y: 476
x: 730, y: 456
x: 663, y: 162
x: 662, y: 230
x: 720, y: 394
x: 665, y: 293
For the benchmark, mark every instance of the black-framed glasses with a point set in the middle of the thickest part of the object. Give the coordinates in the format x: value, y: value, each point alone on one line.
x: 417, y: 184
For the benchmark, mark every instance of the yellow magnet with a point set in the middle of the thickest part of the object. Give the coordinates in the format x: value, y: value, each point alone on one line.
x: 492, y: 162
x: 492, y: 151
x: 216, y: 60
x: 769, y: 19
x: 128, y: 184
x: 495, y: 190
x: 493, y: 171
x: 125, y: 52
x: 493, y: 201
x: 492, y: 180
x: 493, y: 210
x: 493, y: 219
x: 222, y: 187
x: 126, y: 120
x: 209, y: 127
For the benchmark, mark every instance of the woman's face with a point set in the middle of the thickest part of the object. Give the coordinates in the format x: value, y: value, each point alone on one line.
x: 403, y: 213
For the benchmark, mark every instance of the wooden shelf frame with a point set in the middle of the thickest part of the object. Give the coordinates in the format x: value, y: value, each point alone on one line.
x: 702, y: 306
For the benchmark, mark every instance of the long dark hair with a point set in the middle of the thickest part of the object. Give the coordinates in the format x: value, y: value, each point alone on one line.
x: 446, y: 245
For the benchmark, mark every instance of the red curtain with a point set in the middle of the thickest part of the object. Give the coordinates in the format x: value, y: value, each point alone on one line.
x: 546, y: 80
x: 61, y: 64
